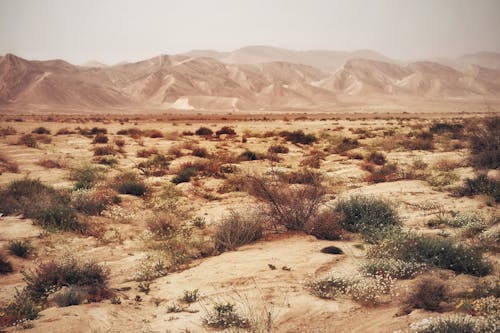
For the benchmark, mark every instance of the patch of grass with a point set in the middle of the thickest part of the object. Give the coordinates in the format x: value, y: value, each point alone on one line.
x: 200, y: 152
x: 9, y: 130
x: 20, y: 248
x: 235, y: 230
x: 458, y: 324
x: 370, y: 216
x: 60, y: 217
x: 303, y: 176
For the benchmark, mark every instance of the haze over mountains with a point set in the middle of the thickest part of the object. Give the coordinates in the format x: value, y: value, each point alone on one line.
x: 250, y: 78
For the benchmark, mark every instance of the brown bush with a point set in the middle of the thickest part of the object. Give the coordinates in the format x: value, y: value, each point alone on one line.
x: 104, y: 150
x: 147, y: 152
x: 100, y: 138
x: 6, y: 164
x: 377, y: 158
x: 50, y: 164
x: 427, y: 294
x: 326, y: 225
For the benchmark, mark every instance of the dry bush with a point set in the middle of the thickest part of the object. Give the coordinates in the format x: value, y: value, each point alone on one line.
x: 385, y: 173
x: 200, y: 152
x: 50, y: 164
x: 225, y: 130
x: 100, y: 138
x: 40, y: 130
x: 484, y: 142
x: 164, y: 224
x: 287, y: 205
x: 419, y: 141
x: 65, y: 131
x: 278, y: 149
x: 134, y: 133
x: 376, y: 158
x: 326, y: 225
x: 119, y: 142
x: 302, y: 176
x: 104, y: 150
x: 155, y: 166
x: 153, y: 133
x: 6, y: 164
x: 299, y: 137
x: 204, y: 131
x: 176, y: 151
x: 314, y: 159
x: 428, y: 294
x: 5, y: 265
x: 237, y: 229
x: 345, y: 145
x: 129, y: 183
x: 9, y: 130
x: 147, y: 152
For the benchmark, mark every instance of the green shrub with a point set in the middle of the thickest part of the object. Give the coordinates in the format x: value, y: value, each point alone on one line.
x: 485, y: 143
x: 235, y: 230
x: 299, y: 137
x: 5, y: 265
x: 51, y: 276
x: 371, y: 217
x: 60, y: 218
x: 432, y: 250
x: 184, y: 175
x: 20, y: 248
x: 22, y: 307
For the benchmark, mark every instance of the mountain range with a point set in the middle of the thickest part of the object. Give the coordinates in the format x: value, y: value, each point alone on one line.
x: 250, y: 78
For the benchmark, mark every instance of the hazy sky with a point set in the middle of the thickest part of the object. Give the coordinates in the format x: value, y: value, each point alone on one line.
x: 116, y: 30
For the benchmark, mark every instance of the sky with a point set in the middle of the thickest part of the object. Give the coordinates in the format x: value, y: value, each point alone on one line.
x: 128, y: 30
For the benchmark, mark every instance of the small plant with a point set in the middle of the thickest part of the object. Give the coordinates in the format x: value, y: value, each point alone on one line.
x: 376, y: 158
x: 86, y: 176
x: 93, y: 201
x: 326, y: 225
x: 28, y: 140
x: 200, y: 152
x: 21, y: 308
x: 20, y: 248
x: 225, y: 315
x: 174, y: 308
x: 199, y: 222
x: 278, y: 149
x: 104, y: 150
x: 191, y: 296
x: 235, y: 230
x: 40, y: 130
x: 156, y: 165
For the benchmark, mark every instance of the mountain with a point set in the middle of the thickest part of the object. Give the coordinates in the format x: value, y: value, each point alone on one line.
x: 483, y: 59
x: 185, y: 82
x: 322, y: 59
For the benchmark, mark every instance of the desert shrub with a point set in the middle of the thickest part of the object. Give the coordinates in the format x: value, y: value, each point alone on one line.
x: 50, y: 164
x: 105, y: 160
x: 22, y: 307
x: 225, y: 130
x: 299, y: 137
x: 50, y: 276
x: 134, y: 133
x: 455, y: 129
x: 6, y: 164
x: 386, y: 173
x: 119, y: 142
x: 236, y: 229
x: 184, y: 175
x: 153, y: 133
x: 200, y: 152
x: 287, y: 205
x: 100, y: 138
x: 345, y: 145
x: 86, y: 176
x: 104, y: 150
x: 191, y: 296
x: 20, y: 248
x: 69, y: 296
x: 40, y: 130
x: 64, y: 131
x: 163, y: 224
x: 92, y: 201
x: 326, y: 225
x: 155, y: 166
x: 377, y: 158
x: 129, y: 183
x: 371, y: 217
x: 419, y: 141
x: 278, y: 149
x: 394, y: 268
x: 98, y: 130
x: 204, y: 131
x: 302, y: 176
x: 5, y: 265
x: 28, y: 140
x: 433, y: 250
x: 225, y: 315
x: 458, y: 324
x: 9, y: 130
x: 427, y: 294
x: 368, y: 290
x: 248, y: 155
x: 485, y: 143
x: 482, y: 184
x: 313, y: 160
x: 147, y: 152
x: 60, y: 217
